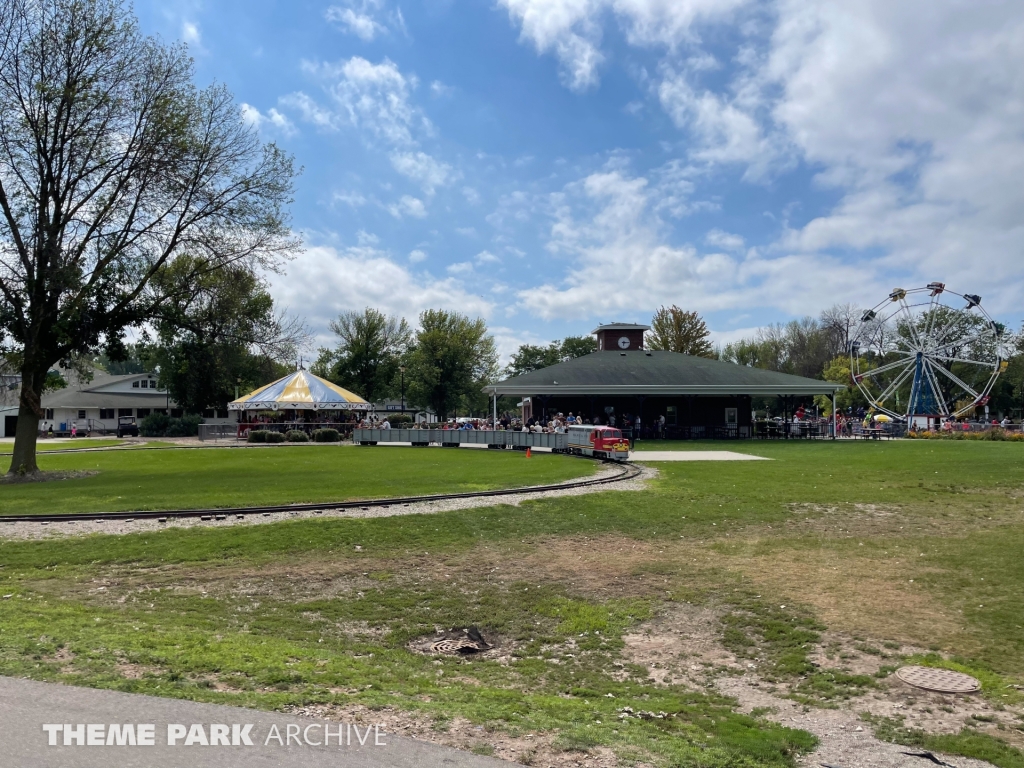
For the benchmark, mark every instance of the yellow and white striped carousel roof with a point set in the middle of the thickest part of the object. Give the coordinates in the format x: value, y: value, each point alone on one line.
x: 300, y: 391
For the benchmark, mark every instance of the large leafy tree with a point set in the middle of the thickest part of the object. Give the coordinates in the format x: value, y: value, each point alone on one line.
x: 675, y: 330
x: 533, y: 357
x: 218, y: 334
x: 370, y: 349
x: 453, y: 358
x: 112, y: 165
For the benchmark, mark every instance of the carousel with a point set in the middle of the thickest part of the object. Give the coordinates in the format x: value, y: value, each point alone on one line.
x: 298, y: 401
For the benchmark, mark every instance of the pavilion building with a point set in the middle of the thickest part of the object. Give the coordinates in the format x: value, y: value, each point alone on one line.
x: 698, y: 397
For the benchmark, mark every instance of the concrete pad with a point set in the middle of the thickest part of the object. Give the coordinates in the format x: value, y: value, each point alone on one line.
x: 26, y: 706
x: 693, y: 456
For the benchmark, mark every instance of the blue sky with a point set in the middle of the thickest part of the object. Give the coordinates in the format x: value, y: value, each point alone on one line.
x: 551, y: 164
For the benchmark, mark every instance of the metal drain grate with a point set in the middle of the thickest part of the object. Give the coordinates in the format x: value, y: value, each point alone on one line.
x: 941, y: 680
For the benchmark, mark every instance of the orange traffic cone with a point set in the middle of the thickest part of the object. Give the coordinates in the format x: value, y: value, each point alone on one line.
x: 528, y: 454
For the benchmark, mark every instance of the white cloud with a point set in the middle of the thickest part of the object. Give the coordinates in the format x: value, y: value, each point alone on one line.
x: 725, y: 240
x: 190, y: 34
x: 617, y: 246
x: 508, y: 340
x: 466, y: 231
x: 913, y: 110
x: 375, y: 97
x: 460, y: 268
x: 310, y: 110
x: 720, y: 337
x: 366, y: 19
x: 471, y: 195
x: 408, y: 206
x: 726, y: 129
x: 571, y: 29
x: 486, y: 257
x: 423, y: 169
x: 273, y: 120
x: 908, y: 112
x: 350, y: 198
x: 514, y: 209
x: 437, y: 88
x: 357, y: 18
x: 324, y: 281
x: 366, y: 238
x: 417, y: 256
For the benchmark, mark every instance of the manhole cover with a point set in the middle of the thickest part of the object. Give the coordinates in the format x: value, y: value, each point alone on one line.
x: 941, y: 680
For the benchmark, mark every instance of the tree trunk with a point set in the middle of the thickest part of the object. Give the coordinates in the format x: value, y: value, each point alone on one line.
x: 27, y: 432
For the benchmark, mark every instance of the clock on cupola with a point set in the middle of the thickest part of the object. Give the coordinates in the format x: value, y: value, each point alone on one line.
x: 620, y: 337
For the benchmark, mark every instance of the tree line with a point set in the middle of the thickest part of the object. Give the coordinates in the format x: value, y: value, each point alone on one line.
x: 443, y: 364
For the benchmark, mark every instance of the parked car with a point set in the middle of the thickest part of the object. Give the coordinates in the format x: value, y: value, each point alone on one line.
x: 126, y: 427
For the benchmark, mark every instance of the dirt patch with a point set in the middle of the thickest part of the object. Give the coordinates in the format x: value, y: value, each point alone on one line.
x: 45, y: 477
x: 532, y: 749
x: 131, y: 671
x: 682, y: 646
x: 857, y: 655
x: 64, y: 657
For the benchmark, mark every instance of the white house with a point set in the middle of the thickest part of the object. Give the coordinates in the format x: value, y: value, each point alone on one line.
x: 95, y: 406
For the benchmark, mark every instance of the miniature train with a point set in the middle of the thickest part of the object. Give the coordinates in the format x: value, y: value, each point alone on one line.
x: 604, y: 442
x: 586, y: 440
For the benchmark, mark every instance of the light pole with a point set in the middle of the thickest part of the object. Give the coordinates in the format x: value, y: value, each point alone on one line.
x: 401, y: 369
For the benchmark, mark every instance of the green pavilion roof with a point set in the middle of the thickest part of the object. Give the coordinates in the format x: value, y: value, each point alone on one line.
x: 657, y: 373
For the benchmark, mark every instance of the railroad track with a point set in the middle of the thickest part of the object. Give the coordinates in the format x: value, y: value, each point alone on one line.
x: 626, y: 472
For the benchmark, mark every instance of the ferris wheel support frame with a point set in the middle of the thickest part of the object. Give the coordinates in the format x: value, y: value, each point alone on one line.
x: 920, y: 348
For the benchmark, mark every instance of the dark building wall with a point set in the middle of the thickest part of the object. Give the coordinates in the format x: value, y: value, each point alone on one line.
x: 680, y: 411
x: 608, y: 340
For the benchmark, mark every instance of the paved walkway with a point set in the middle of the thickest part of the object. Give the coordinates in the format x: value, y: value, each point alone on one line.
x: 25, y: 706
x: 693, y: 456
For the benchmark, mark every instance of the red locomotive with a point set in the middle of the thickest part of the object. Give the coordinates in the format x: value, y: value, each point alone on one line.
x: 603, y: 442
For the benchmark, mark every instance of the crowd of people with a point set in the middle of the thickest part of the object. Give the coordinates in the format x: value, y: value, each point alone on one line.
x: 552, y: 424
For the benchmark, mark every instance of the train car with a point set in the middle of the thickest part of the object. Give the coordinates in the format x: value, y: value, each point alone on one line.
x: 603, y: 442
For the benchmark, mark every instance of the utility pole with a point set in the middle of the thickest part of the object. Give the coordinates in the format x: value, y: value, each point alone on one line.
x: 401, y: 369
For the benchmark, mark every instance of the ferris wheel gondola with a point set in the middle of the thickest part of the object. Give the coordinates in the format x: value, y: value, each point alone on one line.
x: 927, y: 352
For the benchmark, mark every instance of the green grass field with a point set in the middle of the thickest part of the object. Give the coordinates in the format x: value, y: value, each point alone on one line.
x: 231, y: 477
x: 7, y: 448
x: 886, y: 547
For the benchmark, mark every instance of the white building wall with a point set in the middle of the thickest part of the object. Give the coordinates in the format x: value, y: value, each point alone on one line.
x: 4, y: 413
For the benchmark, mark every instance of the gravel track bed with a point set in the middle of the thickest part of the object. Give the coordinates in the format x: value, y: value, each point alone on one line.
x: 845, y: 740
x: 43, y: 530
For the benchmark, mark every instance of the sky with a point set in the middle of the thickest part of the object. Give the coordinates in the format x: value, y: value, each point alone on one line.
x: 550, y: 165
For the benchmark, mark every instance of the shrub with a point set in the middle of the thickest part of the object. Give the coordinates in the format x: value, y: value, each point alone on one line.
x: 275, y: 437
x: 297, y: 436
x: 996, y: 433
x: 186, y: 426
x: 399, y: 420
x: 257, y: 436
x: 154, y: 425
x: 326, y: 436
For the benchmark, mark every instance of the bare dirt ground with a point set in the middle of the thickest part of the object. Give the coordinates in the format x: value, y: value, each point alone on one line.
x: 682, y: 647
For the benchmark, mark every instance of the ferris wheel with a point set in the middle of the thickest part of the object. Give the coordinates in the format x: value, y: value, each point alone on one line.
x: 927, y: 352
